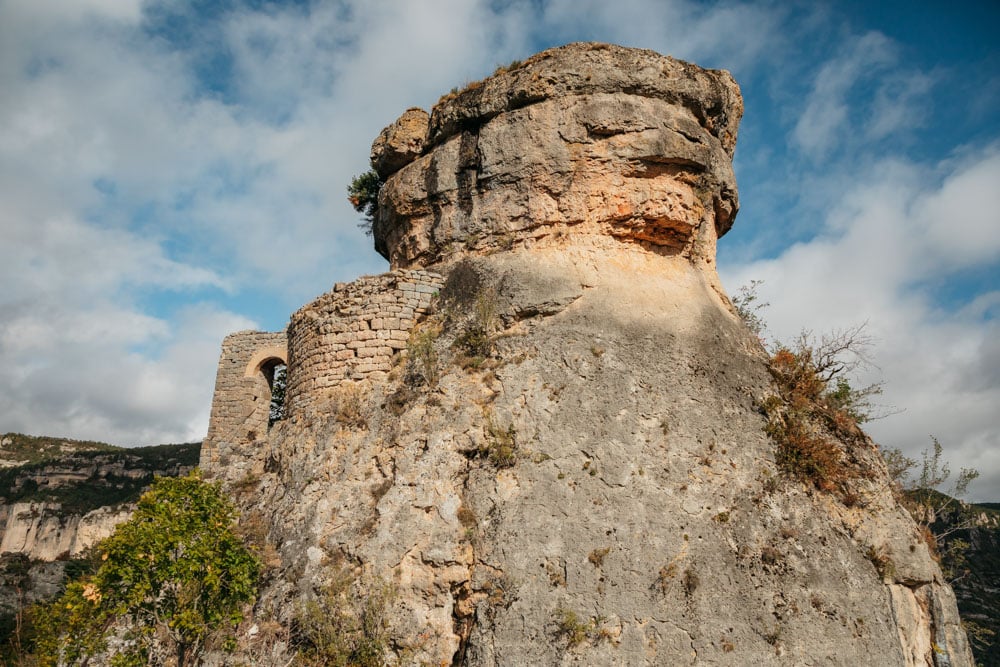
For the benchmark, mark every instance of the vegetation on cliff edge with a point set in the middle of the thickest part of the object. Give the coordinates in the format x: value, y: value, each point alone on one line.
x: 363, y: 195
x: 168, y: 580
x: 82, y: 476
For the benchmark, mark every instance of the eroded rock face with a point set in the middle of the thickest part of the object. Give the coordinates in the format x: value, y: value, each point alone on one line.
x: 569, y: 464
x: 400, y: 143
x: 588, y: 140
x: 42, y: 531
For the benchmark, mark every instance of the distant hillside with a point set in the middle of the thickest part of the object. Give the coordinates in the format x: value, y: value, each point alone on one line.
x: 83, y: 475
x: 78, y: 492
x: 975, y: 573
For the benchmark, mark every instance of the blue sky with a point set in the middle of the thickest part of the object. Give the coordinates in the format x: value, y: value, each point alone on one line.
x: 171, y: 172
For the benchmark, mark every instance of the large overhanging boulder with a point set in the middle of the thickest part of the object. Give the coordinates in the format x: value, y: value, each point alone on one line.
x: 583, y: 140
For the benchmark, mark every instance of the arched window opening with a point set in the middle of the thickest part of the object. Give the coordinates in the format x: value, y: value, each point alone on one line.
x: 277, y: 378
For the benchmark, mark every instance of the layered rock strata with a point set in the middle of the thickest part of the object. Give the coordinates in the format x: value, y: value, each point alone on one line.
x: 43, y: 531
x: 568, y: 463
x: 605, y: 142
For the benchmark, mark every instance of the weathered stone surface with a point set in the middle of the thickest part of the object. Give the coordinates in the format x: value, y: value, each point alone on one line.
x: 571, y: 221
x: 586, y: 139
x: 42, y: 531
x: 242, y: 399
x: 352, y: 332
x: 400, y: 143
x: 587, y: 68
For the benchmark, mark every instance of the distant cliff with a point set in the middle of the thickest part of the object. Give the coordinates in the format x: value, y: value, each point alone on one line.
x: 975, y: 572
x: 59, y: 497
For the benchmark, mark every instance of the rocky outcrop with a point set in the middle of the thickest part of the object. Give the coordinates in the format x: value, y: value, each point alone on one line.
x: 568, y: 463
x: 400, y: 143
x: 43, y: 531
x: 579, y: 140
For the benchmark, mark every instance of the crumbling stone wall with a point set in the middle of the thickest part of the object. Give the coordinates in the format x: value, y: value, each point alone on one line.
x: 242, y: 400
x: 352, y: 332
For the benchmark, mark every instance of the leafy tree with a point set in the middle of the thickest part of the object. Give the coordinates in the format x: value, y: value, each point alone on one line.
x: 929, y: 489
x: 928, y: 497
x: 363, y: 195
x: 169, y: 579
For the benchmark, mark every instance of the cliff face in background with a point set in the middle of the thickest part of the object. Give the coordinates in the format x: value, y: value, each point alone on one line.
x: 58, y: 498
x: 44, y: 531
x: 568, y: 463
x: 975, y: 571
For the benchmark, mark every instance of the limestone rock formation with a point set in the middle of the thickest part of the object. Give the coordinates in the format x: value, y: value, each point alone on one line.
x: 581, y: 140
x: 566, y: 463
x: 400, y: 143
x: 42, y: 531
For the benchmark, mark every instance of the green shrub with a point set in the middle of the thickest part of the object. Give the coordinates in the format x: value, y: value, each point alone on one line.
x: 421, y: 357
x: 363, y: 195
x: 170, y: 577
x: 571, y: 627
x: 342, y: 626
x: 471, y: 306
x: 501, y: 443
x: 279, y: 384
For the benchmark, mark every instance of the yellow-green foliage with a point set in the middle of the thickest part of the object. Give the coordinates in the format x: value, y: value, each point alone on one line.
x: 421, y: 357
x: 475, y: 306
x: 572, y: 628
x: 363, y: 195
x: 344, y: 626
x: 501, y: 443
x: 576, y: 630
x: 170, y: 577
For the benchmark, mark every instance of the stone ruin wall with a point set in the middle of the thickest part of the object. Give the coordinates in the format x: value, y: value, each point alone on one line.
x: 353, y: 332
x: 350, y: 333
x: 242, y: 399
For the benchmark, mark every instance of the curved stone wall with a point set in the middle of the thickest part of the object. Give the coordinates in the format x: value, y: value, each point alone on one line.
x: 353, y: 332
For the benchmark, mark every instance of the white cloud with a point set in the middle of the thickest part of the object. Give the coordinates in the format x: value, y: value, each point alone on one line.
x: 961, y: 220
x: 729, y: 35
x: 897, y: 228
x: 83, y: 379
x: 861, y: 95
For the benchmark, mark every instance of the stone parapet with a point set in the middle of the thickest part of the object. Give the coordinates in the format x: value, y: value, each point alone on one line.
x: 352, y: 332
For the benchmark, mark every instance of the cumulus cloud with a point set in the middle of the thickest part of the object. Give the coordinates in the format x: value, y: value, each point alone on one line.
x: 141, y: 170
x: 840, y: 112
x: 897, y: 229
x: 87, y: 374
